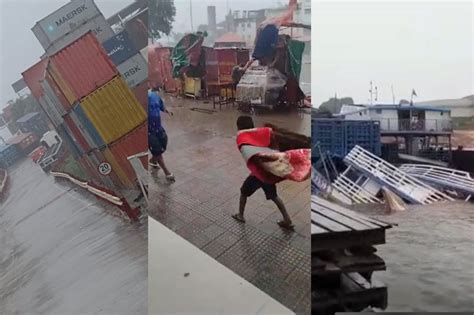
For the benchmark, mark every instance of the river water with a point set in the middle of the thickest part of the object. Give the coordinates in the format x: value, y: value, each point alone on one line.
x: 429, y: 257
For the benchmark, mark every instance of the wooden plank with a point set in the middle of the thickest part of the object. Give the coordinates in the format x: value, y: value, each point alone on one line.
x: 342, y: 240
x: 328, y: 224
x: 317, y: 229
x: 344, y: 220
x: 354, y: 215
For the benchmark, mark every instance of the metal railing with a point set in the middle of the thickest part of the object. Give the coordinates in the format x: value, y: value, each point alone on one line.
x: 434, y: 125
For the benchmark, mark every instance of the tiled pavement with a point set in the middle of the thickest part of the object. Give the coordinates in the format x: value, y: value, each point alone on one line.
x: 198, y: 206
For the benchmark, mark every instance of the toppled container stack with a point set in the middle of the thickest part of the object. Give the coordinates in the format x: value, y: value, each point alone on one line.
x: 88, y: 83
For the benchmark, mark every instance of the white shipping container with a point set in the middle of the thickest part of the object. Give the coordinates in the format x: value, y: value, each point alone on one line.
x: 144, y: 53
x: 134, y: 71
x: 98, y: 25
x: 64, y: 20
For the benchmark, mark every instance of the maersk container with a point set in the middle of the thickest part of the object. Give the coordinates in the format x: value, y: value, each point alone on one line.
x: 88, y: 127
x: 134, y: 70
x: 64, y: 20
x: 98, y: 26
x: 81, y: 68
x: 119, y: 47
x: 113, y: 110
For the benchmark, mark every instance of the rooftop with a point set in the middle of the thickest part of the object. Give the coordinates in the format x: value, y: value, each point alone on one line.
x: 27, y: 117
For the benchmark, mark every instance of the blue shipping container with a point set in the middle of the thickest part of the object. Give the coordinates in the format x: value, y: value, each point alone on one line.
x: 119, y: 48
x: 337, y: 137
x: 88, y: 127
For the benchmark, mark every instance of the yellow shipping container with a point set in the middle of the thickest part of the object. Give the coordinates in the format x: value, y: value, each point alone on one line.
x: 113, y: 109
x: 192, y: 86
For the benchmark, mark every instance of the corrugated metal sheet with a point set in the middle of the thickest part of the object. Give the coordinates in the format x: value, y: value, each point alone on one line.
x: 120, y: 47
x: 141, y: 93
x: 52, y: 98
x: 110, y: 181
x: 54, y: 87
x: 64, y: 20
x: 70, y: 143
x: 98, y: 26
x: 135, y: 142
x: 154, y: 72
x: 32, y: 77
x: 88, y: 127
x: 50, y: 110
x: 113, y: 110
x: 83, y: 130
x: 134, y: 70
x: 82, y: 67
x: 165, y: 70
x: 227, y: 58
x: 117, y: 169
x: 76, y: 134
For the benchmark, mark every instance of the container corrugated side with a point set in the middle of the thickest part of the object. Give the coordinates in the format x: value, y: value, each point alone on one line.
x: 53, y: 98
x: 62, y: 100
x: 50, y: 110
x: 33, y: 76
x: 63, y: 87
x: 154, y: 69
x: 70, y: 143
x: 64, y: 20
x: 111, y: 180
x: 88, y: 127
x: 227, y: 59
x: 212, y: 71
x: 141, y: 93
x: 113, y: 110
x: 117, y: 169
x: 82, y: 129
x: 134, y: 71
x: 83, y: 66
x: 133, y: 143
x: 76, y: 134
x: 97, y: 25
x: 120, y: 47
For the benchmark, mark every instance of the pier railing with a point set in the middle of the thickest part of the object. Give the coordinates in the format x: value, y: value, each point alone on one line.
x: 433, y: 125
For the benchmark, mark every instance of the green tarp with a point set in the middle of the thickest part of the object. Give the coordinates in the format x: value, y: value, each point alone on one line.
x: 295, y: 54
x: 186, y: 53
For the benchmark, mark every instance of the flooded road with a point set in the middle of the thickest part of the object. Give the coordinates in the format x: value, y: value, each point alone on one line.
x: 62, y: 251
x: 429, y: 258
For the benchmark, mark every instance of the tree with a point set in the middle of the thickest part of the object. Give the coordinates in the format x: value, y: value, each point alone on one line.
x: 161, y: 16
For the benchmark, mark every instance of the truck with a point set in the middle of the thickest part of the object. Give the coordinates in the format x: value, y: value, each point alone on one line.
x: 53, y: 143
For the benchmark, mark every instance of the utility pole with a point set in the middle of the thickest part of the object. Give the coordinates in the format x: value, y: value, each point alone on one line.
x: 393, y: 96
x: 371, y: 94
x: 191, y: 14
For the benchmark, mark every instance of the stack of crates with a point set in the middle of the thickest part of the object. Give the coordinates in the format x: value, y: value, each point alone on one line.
x: 337, y: 137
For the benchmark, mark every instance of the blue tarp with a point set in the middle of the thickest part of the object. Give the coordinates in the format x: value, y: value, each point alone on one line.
x: 266, y: 42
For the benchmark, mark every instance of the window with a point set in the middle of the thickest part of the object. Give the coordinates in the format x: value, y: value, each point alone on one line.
x: 441, y: 113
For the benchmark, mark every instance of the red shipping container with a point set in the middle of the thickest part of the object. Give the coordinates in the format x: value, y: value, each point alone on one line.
x: 212, y: 71
x: 76, y: 133
x: 133, y: 143
x: 228, y: 58
x: 141, y: 93
x: 84, y: 66
x: 33, y: 76
x: 154, y: 75
x: 110, y: 181
x: 165, y: 70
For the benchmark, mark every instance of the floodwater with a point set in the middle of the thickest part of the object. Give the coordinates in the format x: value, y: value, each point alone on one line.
x: 62, y: 251
x: 430, y: 258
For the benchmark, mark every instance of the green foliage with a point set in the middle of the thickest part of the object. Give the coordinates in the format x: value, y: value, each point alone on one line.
x: 23, y: 106
x: 161, y: 16
x: 333, y: 105
x: 70, y: 166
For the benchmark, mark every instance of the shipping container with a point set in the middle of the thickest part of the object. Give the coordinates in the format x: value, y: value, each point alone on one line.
x: 134, y: 70
x: 64, y: 20
x: 113, y: 110
x: 83, y: 130
x: 227, y: 58
x: 25, y: 142
x: 69, y: 142
x: 98, y: 26
x: 50, y: 109
x: 137, y: 27
x: 133, y: 143
x: 163, y: 69
x: 81, y: 68
x: 51, y: 98
x: 9, y: 154
x: 50, y: 86
x: 75, y: 133
x: 33, y: 76
x: 87, y: 127
x: 212, y: 71
x: 141, y: 93
x: 120, y: 47
x: 96, y: 160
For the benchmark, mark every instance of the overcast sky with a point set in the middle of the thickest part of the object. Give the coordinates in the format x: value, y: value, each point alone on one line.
x: 199, y: 8
x: 19, y: 47
x: 427, y: 46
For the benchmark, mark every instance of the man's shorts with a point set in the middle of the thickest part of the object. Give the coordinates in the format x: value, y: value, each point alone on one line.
x: 157, y: 142
x: 252, y: 184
